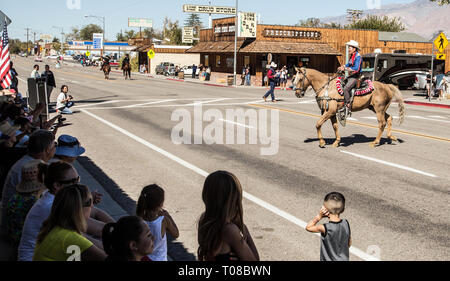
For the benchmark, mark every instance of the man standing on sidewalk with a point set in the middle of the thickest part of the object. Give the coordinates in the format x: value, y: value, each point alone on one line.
x: 194, y: 71
x: 51, y: 84
x: 271, y: 77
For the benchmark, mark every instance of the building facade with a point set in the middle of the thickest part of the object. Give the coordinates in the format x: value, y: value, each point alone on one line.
x: 320, y: 48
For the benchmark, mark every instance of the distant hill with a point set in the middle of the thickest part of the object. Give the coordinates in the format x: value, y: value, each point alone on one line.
x: 422, y: 17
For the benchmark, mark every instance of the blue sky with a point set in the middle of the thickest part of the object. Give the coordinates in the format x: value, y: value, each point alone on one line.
x: 42, y: 16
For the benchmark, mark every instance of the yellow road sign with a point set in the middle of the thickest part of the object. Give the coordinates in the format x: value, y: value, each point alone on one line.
x: 441, y: 42
x: 440, y: 56
x: 151, y: 54
x: 88, y: 53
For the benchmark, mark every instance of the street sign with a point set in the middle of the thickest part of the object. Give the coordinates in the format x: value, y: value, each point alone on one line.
x: 188, y: 35
x: 201, y: 9
x: 138, y: 22
x: 88, y: 53
x: 97, y: 41
x: 151, y: 54
x: 440, y: 56
x: 247, y: 25
x: 441, y: 42
x: 46, y: 37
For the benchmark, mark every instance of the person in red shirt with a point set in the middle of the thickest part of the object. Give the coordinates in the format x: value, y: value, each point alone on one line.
x: 271, y: 77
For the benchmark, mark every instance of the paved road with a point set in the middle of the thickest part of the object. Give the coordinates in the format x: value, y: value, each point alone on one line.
x: 397, y: 194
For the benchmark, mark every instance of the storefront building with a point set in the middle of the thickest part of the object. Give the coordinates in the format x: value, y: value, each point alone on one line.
x: 320, y: 48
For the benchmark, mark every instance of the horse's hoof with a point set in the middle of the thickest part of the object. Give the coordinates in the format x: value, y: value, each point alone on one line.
x: 392, y: 138
x: 373, y: 144
x: 336, y: 144
x: 322, y: 144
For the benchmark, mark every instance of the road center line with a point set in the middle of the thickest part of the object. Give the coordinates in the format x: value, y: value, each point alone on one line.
x: 390, y: 164
x: 355, y: 251
x: 203, y: 102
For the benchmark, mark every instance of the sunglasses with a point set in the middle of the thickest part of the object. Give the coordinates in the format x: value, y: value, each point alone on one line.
x: 88, y: 203
x: 71, y: 181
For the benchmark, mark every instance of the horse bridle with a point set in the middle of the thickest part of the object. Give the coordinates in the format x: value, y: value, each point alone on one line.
x: 303, y: 83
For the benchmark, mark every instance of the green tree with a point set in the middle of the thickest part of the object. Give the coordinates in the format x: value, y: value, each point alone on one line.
x: 193, y: 20
x: 86, y: 33
x: 382, y: 23
x: 15, y: 46
x: 333, y: 25
x: 172, y: 32
x: 441, y: 2
x: 74, y: 34
x: 310, y: 22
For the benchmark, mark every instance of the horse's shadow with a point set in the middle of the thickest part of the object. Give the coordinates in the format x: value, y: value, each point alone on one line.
x: 355, y: 138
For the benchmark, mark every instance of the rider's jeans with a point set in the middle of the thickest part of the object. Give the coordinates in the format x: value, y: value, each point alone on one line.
x: 66, y: 110
x: 351, y: 83
x: 271, y: 91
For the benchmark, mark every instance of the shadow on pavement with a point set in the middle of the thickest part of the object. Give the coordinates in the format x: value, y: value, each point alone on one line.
x: 356, y: 138
x: 175, y: 249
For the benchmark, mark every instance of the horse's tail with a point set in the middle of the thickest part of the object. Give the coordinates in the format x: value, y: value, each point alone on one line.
x: 401, y: 105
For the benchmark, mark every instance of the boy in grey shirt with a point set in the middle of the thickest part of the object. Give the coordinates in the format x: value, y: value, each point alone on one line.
x: 335, y: 235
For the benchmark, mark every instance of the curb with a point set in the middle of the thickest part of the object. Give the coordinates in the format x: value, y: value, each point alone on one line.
x: 440, y: 105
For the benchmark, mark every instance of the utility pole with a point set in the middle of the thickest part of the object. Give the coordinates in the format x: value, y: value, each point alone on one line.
x: 210, y: 17
x: 235, y: 41
x: 28, y: 30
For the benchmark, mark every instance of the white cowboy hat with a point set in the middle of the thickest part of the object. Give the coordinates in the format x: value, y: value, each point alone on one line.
x: 274, y: 65
x: 353, y: 43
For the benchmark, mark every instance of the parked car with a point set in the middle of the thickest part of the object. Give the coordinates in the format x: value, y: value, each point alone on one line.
x: 170, y: 71
x: 188, y: 70
x: 164, y: 67
x: 420, y: 82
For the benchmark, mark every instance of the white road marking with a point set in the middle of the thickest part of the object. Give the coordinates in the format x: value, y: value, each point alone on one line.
x: 308, y: 102
x: 437, y: 116
x: 204, y: 102
x: 235, y: 123
x: 105, y: 102
x: 390, y: 164
x: 355, y: 251
x: 352, y: 119
x: 429, y: 119
x: 147, y: 103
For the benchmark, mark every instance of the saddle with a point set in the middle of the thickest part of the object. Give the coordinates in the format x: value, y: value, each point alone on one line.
x: 364, y: 86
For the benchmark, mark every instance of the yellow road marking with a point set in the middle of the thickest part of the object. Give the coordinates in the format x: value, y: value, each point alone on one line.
x: 352, y: 122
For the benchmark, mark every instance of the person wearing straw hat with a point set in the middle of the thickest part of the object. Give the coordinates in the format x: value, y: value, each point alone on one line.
x: 8, y: 134
x: 27, y: 193
x: 354, y: 68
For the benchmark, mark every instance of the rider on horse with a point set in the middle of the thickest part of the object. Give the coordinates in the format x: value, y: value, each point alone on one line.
x: 354, y: 68
x: 126, y: 60
x: 105, y: 61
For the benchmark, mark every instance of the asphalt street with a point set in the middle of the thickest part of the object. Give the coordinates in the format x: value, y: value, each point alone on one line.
x: 397, y: 194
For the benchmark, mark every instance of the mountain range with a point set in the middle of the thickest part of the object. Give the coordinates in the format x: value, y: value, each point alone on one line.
x: 422, y: 17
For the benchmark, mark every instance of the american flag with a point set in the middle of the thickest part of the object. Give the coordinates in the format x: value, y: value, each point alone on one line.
x: 5, y: 60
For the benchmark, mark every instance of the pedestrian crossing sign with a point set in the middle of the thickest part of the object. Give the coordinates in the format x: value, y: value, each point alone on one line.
x: 441, y: 42
x: 88, y: 53
x: 440, y: 56
x: 151, y: 54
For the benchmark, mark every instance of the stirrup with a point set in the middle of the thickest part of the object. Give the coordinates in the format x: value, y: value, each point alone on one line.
x: 342, y: 116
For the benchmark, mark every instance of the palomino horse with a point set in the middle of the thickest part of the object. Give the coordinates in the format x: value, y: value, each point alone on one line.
x: 329, y: 102
x: 106, y: 70
x: 126, y: 70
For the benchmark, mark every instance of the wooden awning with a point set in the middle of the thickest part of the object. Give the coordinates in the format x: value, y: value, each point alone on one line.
x: 265, y: 47
x: 290, y: 48
x: 215, y: 47
x: 142, y: 48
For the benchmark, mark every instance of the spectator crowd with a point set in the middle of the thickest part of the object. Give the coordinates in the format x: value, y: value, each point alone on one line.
x: 48, y: 215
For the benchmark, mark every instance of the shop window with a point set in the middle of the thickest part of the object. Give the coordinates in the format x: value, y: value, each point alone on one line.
x: 230, y: 62
x: 304, y: 61
x: 206, y: 60
x: 218, y: 64
x: 400, y: 63
x: 246, y: 60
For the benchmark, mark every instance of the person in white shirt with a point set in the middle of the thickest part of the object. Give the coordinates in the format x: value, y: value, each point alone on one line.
x: 64, y: 101
x: 35, y: 73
